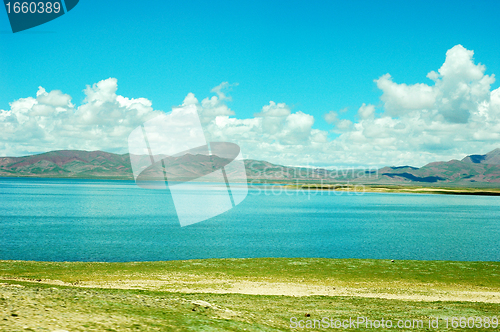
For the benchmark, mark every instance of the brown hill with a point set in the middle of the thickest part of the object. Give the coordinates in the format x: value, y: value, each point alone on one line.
x: 474, y: 170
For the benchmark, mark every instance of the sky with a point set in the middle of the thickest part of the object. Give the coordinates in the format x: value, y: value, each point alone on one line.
x: 326, y: 83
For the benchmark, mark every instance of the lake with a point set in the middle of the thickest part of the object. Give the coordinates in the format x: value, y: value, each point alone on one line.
x: 94, y: 220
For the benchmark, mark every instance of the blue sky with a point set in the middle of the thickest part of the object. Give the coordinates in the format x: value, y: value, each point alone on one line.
x: 315, y: 57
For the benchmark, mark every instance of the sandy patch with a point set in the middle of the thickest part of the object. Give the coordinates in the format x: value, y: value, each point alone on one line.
x: 228, y: 286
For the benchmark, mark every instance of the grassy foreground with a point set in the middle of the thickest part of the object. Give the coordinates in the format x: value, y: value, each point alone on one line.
x: 260, y: 294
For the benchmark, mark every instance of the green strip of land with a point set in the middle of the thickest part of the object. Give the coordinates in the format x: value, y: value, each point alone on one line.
x: 360, y: 188
x: 260, y: 294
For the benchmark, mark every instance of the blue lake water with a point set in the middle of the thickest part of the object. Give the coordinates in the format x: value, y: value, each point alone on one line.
x: 89, y: 220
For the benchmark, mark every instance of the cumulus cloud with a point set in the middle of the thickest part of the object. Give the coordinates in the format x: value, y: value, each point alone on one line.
x: 50, y: 121
x: 331, y: 117
x: 460, y: 86
x: 273, y: 117
x: 210, y: 108
x: 366, y: 111
x: 273, y: 134
x: 414, y: 124
x: 340, y: 125
x: 400, y: 99
x: 420, y: 123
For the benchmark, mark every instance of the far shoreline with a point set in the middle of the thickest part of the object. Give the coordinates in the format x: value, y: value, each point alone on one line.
x: 352, y: 187
x: 363, y: 188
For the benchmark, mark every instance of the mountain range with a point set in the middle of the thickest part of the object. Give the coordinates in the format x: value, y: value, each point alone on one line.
x: 473, y: 170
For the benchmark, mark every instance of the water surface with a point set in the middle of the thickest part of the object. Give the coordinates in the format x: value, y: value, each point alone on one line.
x: 90, y: 220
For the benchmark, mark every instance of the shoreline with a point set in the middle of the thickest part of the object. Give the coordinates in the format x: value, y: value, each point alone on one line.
x: 340, y: 187
x: 362, y: 188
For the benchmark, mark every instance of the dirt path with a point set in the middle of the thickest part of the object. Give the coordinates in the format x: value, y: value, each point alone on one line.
x: 224, y: 286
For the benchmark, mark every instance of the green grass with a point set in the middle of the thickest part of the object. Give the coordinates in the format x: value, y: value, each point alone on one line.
x: 313, y: 269
x: 41, y: 305
x: 409, y: 189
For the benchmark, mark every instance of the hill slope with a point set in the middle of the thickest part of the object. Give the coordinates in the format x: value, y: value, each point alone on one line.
x: 70, y: 164
x: 473, y: 170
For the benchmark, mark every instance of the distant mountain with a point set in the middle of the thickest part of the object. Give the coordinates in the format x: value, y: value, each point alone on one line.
x: 104, y: 165
x: 492, y: 158
x: 69, y: 164
x: 474, y: 170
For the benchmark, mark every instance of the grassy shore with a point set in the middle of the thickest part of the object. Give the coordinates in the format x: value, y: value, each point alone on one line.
x: 360, y: 188
x: 260, y: 294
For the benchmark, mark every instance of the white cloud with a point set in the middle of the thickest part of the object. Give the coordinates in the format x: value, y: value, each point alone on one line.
x: 105, y: 119
x: 494, y: 105
x: 211, y: 108
x: 459, y: 87
x: 273, y: 117
x: 51, y: 122
x: 274, y: 134
x: 55, y: 98
x: 297, y: 129
x: 420, y: 123
x: 340, y: 125
x: 401, y: 98
x: 414, y: 125
x: 331, y: 117
x: 343, y: 125
x: 274, y: 110
x: 366, y: 111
